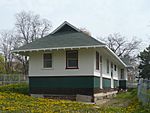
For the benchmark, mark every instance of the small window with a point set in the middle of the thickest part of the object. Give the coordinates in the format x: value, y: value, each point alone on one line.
x: 97, y: 61
x: 115, y: 67
x: 122, y: 73
x: 47, y: 60
x: 72, y: 59
x: 107, y: 66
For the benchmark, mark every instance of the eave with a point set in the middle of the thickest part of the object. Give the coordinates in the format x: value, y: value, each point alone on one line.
x: 74, y: 47
x: 57, y: 48
x: 116, y: 56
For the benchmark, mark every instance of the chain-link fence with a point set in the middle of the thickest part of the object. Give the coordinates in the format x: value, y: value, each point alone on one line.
x: 12, y: 79
x: 132, y: 84
x: 144, y: 91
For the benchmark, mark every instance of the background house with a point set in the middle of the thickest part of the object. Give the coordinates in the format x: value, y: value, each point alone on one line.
x: 132, y: 72
x: 69, y: 62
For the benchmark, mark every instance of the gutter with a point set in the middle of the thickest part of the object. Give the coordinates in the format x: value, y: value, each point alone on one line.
x: 44, y: 49
x: 115, y: 55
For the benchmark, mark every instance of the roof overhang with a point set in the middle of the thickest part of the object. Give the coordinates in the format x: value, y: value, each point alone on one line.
x: 57, y: 48
x: 130, y: 66
x: 115, y: 56
x: 74, y: 47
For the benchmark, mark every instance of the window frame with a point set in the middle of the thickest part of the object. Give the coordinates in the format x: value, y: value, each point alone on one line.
x: 50, y: 59
x: 75, y: 67
x: 97, y: 61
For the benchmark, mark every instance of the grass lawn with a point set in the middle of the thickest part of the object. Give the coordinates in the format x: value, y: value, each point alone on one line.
x: 14, y: 99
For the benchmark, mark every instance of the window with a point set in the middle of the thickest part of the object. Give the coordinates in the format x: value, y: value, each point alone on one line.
x: 107, y: 66
x: 47, y: 60
x: 115, y: 67
x: 72, y: 59
x: 97, y: 61
x: 122, y: 73
x: 111, y: 69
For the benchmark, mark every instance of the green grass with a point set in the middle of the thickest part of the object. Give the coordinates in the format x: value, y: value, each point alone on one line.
x: 19, y: 103
x: 15, y: 99
x: 126, y: 102
x: 131, y: 93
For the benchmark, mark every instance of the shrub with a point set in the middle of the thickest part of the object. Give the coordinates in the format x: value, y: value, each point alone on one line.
x: 21, y: 88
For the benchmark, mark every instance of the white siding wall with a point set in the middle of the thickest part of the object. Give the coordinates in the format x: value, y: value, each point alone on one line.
x: 116, y: 74
x: 86, y: 64
x: 105, y: 56
x: 104, y: 64
x: 86, y: 60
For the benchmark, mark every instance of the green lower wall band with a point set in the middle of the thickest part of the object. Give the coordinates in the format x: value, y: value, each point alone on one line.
x: 96, y: 82
x: 122, y: 84
x: 106, y: 83
x: 73, y: 82
x: 65, y: 82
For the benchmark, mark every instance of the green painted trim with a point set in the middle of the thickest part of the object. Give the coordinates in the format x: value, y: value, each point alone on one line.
x: 96, y: 82
x: 106, y: 83
x: 64, y: 82
x: 122, y: 84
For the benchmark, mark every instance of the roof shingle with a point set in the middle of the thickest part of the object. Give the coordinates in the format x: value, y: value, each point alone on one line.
x: 70, y: 38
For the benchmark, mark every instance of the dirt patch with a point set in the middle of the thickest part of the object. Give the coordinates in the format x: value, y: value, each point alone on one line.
x: 102, y: 101
x: 114, y: 102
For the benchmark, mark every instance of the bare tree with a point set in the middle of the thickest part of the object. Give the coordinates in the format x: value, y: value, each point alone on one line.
x: 120, y: 45
x: 8, y: 43
x: 30, y: 27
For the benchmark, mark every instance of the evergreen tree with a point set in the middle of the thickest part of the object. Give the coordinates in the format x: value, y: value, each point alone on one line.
x: 145, y: 63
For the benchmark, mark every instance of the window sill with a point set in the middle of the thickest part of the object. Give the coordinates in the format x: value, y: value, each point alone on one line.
x: 72, y: 67
x: 98, y: 71
x: 47, y: 68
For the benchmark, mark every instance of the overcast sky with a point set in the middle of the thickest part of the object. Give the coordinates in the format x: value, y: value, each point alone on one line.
x: 100, y: 17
